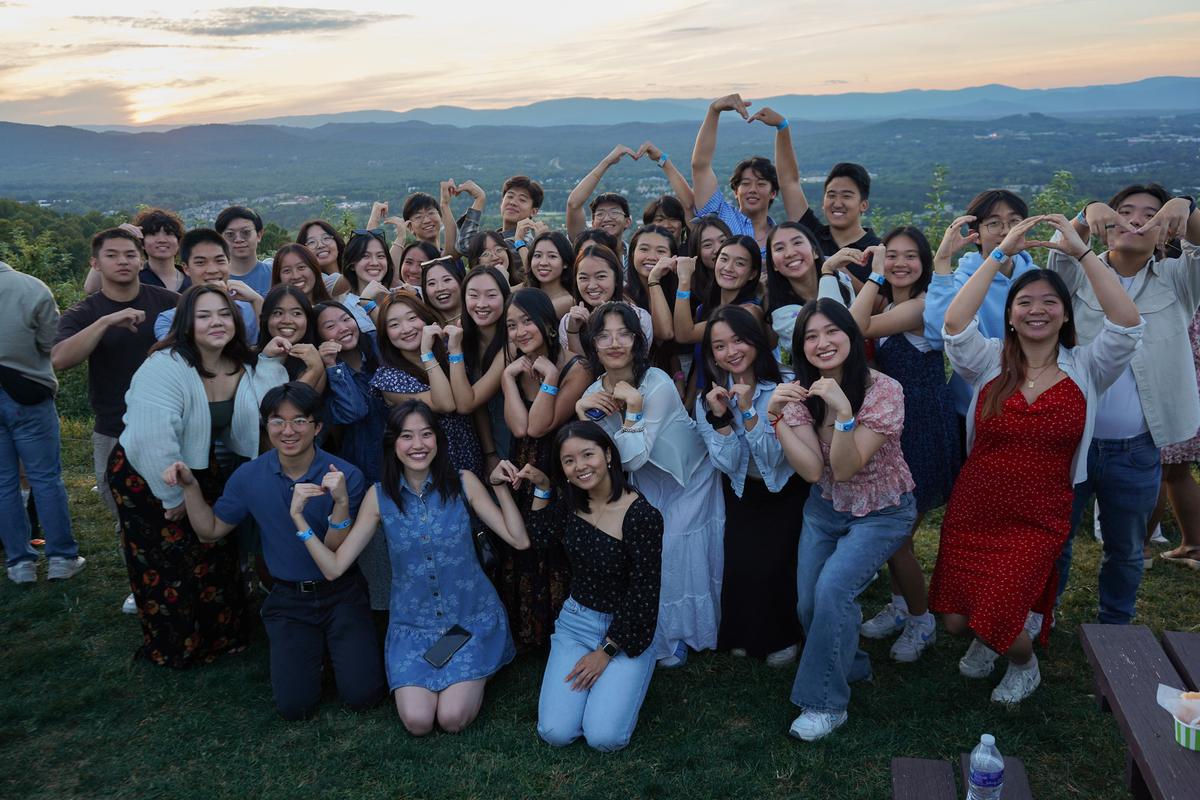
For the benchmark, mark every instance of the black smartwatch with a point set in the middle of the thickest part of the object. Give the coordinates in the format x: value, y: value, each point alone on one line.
x: 723, y: 421
x: 610, y: 648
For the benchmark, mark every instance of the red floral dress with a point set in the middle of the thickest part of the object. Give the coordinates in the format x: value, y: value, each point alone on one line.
x: 1009, y: 515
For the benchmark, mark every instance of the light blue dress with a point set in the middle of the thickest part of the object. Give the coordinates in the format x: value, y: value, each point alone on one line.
x: 437, y: 583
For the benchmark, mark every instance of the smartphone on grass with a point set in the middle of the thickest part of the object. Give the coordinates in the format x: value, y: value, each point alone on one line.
x: 444, y: 648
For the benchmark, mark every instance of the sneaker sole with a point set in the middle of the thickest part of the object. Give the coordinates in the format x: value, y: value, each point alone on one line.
x: 967, y: 673
x: 1016, y: 701
x: 796, y: 735
x: 878, y: 635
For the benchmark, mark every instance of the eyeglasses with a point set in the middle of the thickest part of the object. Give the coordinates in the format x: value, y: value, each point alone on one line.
x: 995, y: 226
x: 244, y: 234
x: 297, y: 424
x: 319, y: 240
x: 605, y: 338
x: 608, y: 213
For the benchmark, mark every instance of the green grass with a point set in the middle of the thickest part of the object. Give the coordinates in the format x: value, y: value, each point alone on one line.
x: 79, y: 718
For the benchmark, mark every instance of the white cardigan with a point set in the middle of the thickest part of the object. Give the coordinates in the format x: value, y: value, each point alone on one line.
x: 167, y: 419
x: 1093, y: 366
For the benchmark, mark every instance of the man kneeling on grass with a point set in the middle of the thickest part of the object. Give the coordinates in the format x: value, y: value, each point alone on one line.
x: 304, y: 614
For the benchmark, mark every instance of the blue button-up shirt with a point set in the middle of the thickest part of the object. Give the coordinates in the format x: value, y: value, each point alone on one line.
x: 739, y: 224
x: 260, y: 489
x: 734, y: 454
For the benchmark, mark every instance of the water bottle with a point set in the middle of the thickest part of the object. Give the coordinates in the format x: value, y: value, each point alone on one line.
x: 987, y: 770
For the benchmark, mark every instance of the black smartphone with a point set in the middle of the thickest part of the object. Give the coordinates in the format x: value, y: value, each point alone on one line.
x: 595, y: 414
x: 444, y: 648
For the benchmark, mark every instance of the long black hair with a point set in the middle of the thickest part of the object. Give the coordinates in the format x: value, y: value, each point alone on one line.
x: 610, y: 259
x: 749, y: 289
x: 577, y: 499
x: 538, y: 306
x: 703, y: 276
x: 365, y: 344
x: 635, y: 290
x: 924, y: 253
x: 749, y: 330
x: 641, y: 361
x: 441, y: 472
x: 780, y: 291
x: 356, y: 248
x: 856, y: 374
x: 477, y: 362
x: 181, y: 339
x: 566, y: 254
x: 293, y: 364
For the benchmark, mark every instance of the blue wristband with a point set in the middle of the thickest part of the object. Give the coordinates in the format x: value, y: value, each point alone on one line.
x: 999, y: 255
x: 848, y: 425
x: 663, y: 159
x: 370, y: 306
x: 783, y: 125
x: 455, y: 358
x: 1081, y: 217
x: 633, y: 416
x: 682, y: 294
x: 338, y: 526
x: 518, y: 244
x: 541, y: 494
x: 877, y: 279
x: 304, y: 535
x: 749, y: 414
x: 426, y: 358
x: 550, y: 390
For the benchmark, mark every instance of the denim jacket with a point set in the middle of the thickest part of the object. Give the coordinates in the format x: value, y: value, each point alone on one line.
x: 731, y: 454
x: 352, y: 403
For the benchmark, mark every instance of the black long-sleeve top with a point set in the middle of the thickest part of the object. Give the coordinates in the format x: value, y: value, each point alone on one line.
x: 613, y: 576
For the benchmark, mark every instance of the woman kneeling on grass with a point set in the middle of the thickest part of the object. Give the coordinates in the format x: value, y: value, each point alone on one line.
x: 601, y: 658
x: 1034, y: 399
x: 437, y: 582
x: 841, y: 430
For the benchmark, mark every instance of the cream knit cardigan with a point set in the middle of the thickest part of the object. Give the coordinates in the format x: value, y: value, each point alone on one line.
x: 167, y: 419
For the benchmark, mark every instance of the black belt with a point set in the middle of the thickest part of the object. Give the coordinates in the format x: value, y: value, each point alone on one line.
x: 308, y: 587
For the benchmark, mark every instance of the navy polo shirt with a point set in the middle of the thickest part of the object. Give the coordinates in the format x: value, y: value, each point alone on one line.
x: 260, y: 489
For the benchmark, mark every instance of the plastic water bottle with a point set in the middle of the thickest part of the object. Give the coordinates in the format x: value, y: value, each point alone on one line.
x: 986, y: 780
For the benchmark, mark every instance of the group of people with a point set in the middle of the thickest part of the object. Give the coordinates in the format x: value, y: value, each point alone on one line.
x: 712, y: 434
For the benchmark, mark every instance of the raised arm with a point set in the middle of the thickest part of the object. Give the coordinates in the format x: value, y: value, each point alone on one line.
x: 470, y: 396
x: 470, y: 226
x: 334, y: 563
x: 704, y: 180
x: 788, y: 171
x: 550, y: 411
x: 76, y: 348
x: 500, y: 515
x: 661, y: 314
x: 1117, y: 304
x: 578, y: 198
x: 967, y: 302
x: 902, y: 317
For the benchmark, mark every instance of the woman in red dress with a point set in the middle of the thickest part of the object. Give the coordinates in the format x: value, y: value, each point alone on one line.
x: 1028, y: 431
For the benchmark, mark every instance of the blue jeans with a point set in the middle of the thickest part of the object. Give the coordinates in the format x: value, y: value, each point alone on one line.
x: 838, y: 555
x: 606, y: 714
x: 1123, y: 475
x: 29, y: 436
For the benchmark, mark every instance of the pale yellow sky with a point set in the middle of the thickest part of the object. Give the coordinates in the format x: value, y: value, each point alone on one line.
x: 158, y: 62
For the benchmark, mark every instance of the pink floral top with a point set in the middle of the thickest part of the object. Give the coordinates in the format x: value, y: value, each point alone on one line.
x: 883, y: 481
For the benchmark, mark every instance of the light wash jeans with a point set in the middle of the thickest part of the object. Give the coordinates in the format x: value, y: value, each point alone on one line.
x: 1123, y: 475
x: 606, y: 714
x: 29, y: 435
x: 838, y: 555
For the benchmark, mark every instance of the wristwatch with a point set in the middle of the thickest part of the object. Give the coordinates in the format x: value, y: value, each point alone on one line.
x: 610, y: 648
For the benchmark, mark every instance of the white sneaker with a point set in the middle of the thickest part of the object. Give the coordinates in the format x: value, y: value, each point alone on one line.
x: 979, y: 660
x: 1033, y: 625
x: 1018, y: 683
x: 889, y: 620
x: 739, y: 652
x: 781, y: 658
x: 23, y: 572
x: 813, y: 725
x: 916, y: 637
x: 1157, y: 537
x: 63, y: 568
x: 1096, y: 522
x: 129, y: 606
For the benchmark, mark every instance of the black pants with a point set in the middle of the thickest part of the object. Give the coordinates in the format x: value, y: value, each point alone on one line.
x: 302, y: 624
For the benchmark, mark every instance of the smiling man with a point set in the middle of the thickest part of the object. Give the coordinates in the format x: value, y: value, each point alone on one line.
x: 242, y: 229
x: 520, y: 198
x: 206, y: 261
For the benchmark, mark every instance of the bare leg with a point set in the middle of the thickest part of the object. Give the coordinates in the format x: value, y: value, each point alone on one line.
x: 956, y: 624
x: 417, y: 708
x: 1021, y: 650
x: 905, y: 576
x: 458, y: 705
x: 1184, y: 494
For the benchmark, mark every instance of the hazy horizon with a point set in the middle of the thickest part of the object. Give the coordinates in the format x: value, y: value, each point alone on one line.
x: 73, y: 63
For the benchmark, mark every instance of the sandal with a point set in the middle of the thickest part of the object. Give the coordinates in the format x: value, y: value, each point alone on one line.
x: 1188, y: 555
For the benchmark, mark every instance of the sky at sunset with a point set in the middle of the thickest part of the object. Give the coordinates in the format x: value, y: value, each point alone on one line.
x: 184, y: 62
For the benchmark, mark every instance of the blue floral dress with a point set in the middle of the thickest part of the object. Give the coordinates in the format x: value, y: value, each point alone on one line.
x: 437, y: 583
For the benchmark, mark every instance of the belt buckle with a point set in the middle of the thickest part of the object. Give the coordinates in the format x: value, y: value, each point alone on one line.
x: 308, y: 586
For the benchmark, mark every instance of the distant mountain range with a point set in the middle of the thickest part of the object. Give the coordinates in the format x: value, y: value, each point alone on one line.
x: 1152, y: 95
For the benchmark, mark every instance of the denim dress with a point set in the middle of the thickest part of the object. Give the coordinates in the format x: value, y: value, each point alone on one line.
x: 437, y: 583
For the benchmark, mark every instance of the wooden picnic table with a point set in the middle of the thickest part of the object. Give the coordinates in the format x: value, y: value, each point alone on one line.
x: 1128, y: 663
x: 927, y: 779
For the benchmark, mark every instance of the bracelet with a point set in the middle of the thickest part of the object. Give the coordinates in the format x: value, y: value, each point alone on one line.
x: 548, y: 389
x: 541, y: 494
x: 304, y: 535
x: 337, y: 526
x: 683, y: 294
x: 370, y: 306
x: 848, y: 425
x: 663, y: 159
x: 652, y: 283
x: 749, y: 414
x: 776, y: 421
x: 519, y: 243
x: 998, y: 255
x: 877, y: 279
x: 575, y: 332
x: 783, y: 125
x: 1084, y: 254
x: 426, y: 358
x: 633, y: 416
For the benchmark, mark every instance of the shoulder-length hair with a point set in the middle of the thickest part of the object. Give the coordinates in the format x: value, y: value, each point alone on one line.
x: 749, y: 289
x: 338, y: 241
x: 365, y: 344
x: 565, y: 252
x: 780, y: 291
x: 611, y: 260
x: 479, y: 243
x: 319, y: 293
x: 635, y: 289
x: 293, y: 364
x: 475, y: 360
x: 702, y: 278
x: 538, y: 306
x: 356, y: 248
x: 390, y: 354
x: 749, y: 330
x: 924, y: 253
x: 1012, y: 357
x: 629, y: 317
x: 441, y: 472
x: 577, y: 499
x: 668, y: 205
x: 181, y: 339
x: 856, y: 374
x: 451, y: 267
